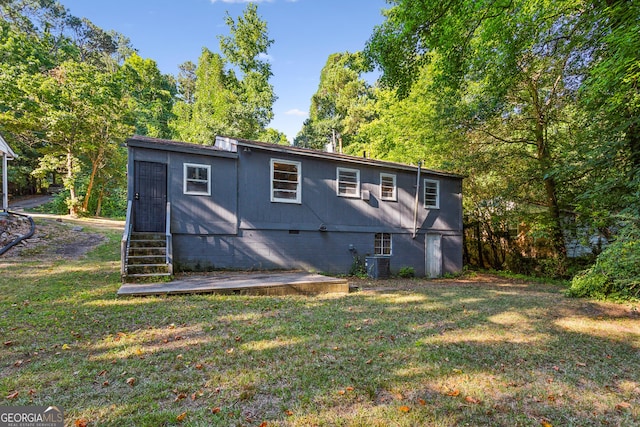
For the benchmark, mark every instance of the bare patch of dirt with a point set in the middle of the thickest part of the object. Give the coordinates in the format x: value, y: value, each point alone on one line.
x: 54, y: 238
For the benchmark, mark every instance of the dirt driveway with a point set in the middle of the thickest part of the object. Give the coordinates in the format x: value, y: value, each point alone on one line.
x: 61, y: 236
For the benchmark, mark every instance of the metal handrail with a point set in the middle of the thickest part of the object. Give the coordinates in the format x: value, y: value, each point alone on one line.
x: 125, y: 239
x: 169, y: 245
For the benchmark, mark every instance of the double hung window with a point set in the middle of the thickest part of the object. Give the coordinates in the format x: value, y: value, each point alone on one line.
x: 285, y: 181
x: 197, y: 179
x: 382, y: 244
x: 388, y: 189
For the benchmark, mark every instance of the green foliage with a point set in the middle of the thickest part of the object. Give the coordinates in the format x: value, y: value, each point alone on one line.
x: 273, y: 136
x: 407, y: 272
x: 504, y: 79
x: 616, y: 273
x: 227, y: 94
x: 67, y: 106
x: 341, y: 104
x: 57, y: 206
x: 151, y: 96
x: 358, y: 267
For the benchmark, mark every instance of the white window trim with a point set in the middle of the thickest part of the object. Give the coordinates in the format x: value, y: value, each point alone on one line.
x: 382, y: 247
x: 431, y: 181
x: 393, y: 198
x: 357, y: 171
x: 185, y: 180
x: 298, y: 198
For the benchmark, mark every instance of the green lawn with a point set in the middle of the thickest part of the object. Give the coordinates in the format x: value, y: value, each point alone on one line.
x: 476, y: 351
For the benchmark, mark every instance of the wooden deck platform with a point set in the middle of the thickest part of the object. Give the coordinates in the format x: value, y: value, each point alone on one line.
x: 263, y: 283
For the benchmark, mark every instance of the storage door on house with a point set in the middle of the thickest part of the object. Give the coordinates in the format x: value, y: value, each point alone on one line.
x: 433, y: 255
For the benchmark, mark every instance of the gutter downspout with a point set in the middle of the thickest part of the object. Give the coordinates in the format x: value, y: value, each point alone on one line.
x: 415, y: 207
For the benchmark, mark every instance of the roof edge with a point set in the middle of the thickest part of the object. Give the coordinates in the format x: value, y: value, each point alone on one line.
x: 287, y: 149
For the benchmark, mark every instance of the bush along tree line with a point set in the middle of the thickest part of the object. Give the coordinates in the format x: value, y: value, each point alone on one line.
x: 535, y: 102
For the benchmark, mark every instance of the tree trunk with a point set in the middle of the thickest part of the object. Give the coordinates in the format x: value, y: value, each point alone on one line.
x: 95, y: 165
x: 73, y: 208
x: 546, y: 162
x: 99, y: 207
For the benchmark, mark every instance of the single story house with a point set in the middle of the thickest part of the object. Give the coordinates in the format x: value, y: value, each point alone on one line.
x: 241, y: 204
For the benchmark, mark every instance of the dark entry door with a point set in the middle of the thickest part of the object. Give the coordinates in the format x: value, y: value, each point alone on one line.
x: 150, y: 198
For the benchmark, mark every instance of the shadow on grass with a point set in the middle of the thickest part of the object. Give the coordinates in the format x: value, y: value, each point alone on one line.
x: 486, y: 352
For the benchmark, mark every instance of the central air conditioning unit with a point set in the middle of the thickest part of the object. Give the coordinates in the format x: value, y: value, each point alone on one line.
x: 378, y: 267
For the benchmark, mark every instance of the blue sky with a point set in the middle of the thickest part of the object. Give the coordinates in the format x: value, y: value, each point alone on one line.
x: 305, y: 33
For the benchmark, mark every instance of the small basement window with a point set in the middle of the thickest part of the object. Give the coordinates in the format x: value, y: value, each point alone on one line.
x: 431, y: 194
x: 382, y: 244
x: 388, y: 189
x: 197, y: 179
x: 348, y: 182
x: 285, y: 181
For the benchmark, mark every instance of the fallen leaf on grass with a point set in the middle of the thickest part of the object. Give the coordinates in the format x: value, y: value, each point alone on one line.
x: 180, y: 397
x: 199, y: 366
x: 623, y: 405
x: 350, y: 388
x: 581, y: 364
x: 544, y: 423
x: 102, y: 373
x: 8, y: 343
x: 453, y: 393
x: 131, y: 381
x: 472, y: 399
x: 404, y: 408
x: 264, y: 424
x: 215, y: 410
x: 341, y: 392
x: 288, y: 412
x: 65, y: 346
x: 18, y: 363
x: 13, y: 395
x: 422, y: 402
x: 81, y: 423
x: 182, y: 416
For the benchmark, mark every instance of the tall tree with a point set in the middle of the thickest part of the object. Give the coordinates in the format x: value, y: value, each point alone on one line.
x: 246, y: 48
x: 151, y: 96
x: 504, y: 70
x: 340, y: 105
x: 187, y: 82
x: 79, y: 111
x: 231, y: 92
x: 210, y: 114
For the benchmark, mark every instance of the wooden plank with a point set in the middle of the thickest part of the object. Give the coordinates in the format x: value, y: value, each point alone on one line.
x: 245, y: 284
